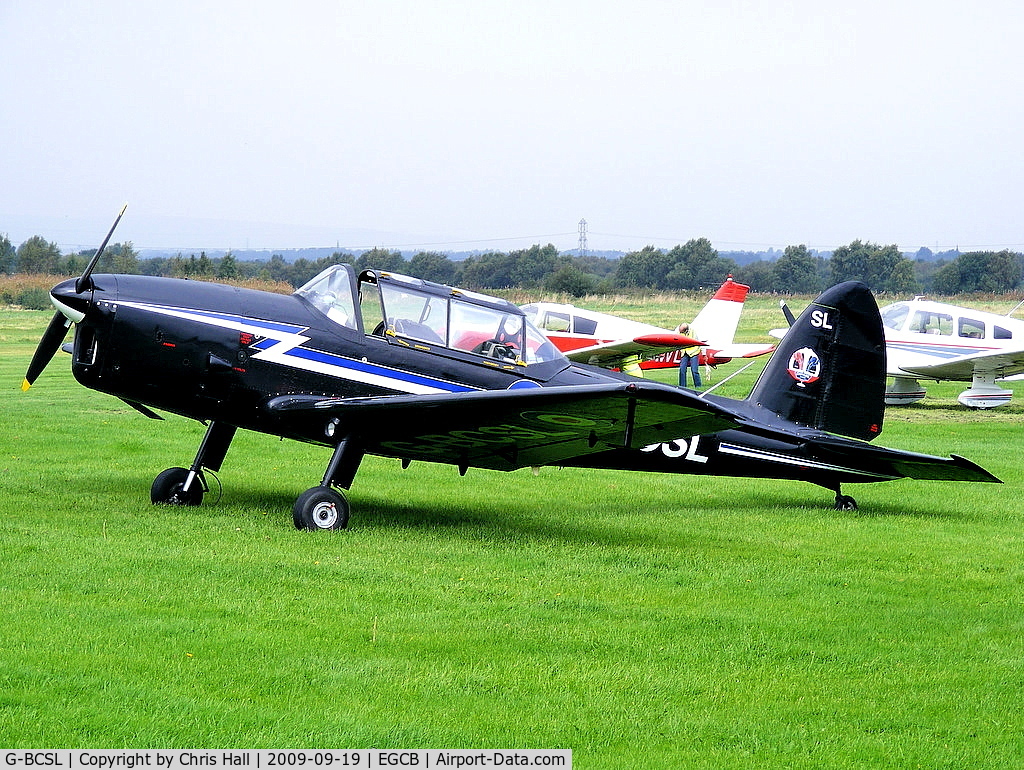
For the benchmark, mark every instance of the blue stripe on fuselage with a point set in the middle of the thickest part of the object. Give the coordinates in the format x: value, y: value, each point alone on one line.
x: 365, y: 367
x: 939, y: 350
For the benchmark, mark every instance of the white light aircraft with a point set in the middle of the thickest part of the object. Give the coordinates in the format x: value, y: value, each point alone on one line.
x: 589, y: 337
x: 927, y: 340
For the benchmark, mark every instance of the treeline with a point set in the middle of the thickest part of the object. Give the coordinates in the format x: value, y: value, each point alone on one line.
x: 695, y: 265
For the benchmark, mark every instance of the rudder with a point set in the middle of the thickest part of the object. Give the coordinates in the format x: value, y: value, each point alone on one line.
x: 828, y: 372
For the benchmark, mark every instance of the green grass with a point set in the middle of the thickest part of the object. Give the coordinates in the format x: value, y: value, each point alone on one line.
x: 640, y: 620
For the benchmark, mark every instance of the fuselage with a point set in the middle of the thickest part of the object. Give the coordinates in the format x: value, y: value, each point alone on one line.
x: 211, y: 351
x: 920, y: 332
x: 572, y: 328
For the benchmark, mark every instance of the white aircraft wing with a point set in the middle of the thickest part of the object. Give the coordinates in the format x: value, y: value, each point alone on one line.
x: 1003, y: 363
x: 609, y: 354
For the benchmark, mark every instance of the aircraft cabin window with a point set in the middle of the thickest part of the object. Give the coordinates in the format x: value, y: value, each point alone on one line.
x: 371, y: 308
x: 486, y: 331
x: 972, y: 329
x: 414, y: 314
x: 556, y: 322
x: 1002, y: 334
x: 895, y: 315
x: 405, y: 307
x: 331, y: 293
x: 584, y: 325
x: 927, y: 322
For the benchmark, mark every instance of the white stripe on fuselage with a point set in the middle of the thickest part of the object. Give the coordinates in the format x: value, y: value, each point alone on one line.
x: 287, y: 350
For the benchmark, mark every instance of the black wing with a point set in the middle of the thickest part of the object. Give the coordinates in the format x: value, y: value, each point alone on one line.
x: 509, y: 429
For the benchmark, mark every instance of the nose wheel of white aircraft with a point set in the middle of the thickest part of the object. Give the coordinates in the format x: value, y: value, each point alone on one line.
x: 170, y: 487
x: 320, y: 508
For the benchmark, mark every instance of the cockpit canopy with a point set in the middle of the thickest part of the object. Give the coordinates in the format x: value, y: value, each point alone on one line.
x: 431, y: 313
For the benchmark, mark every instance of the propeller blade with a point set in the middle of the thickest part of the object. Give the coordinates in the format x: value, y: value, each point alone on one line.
x: 83, y: 282
x: 55, y: 333
x: 790, y: 318
x: 48, y: 346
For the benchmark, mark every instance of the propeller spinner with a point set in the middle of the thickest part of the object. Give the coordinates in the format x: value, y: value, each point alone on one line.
x: 58, y: 327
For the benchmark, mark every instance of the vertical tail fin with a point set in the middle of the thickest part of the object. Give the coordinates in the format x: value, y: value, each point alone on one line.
x: 717, y: 321
x: 828, y: 372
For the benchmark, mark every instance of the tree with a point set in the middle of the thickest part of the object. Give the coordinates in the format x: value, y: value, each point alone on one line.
x: 796, y: 272
x: 644, y: 269
x: 882, y: 268
x: 696, y: 265
x: 985, y: 271
x: 123, y: 258
x: 493, y: 270
x: 759, y: 275
x: 850, y: 263
x: 227, y: 267
x: 947, y: 278
x: 569, y: 279
x: 278, y: 269
x: 36, y: 255
x: 382, y: 259
x: 8, y: 255
x: 533, y: 265
x: 901, y: 278
x: 204, y: 266
x: 431, y: 266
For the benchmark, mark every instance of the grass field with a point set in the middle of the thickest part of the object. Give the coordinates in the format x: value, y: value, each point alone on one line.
x: 640, y: 620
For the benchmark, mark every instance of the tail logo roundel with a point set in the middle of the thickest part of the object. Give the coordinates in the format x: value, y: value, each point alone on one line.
x: 804, y: 366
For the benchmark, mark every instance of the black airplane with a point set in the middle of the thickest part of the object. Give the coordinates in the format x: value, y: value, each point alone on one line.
x: 384, y: 364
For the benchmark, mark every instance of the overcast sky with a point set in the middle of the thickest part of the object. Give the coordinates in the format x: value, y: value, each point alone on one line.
x: 491, y: 124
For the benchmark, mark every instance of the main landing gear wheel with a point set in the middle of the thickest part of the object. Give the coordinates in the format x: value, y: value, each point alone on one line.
x: 169, y: 488
x: 845, y: 503
x: 320, y: 508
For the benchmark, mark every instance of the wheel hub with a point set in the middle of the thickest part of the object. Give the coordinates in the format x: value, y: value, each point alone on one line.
x: 325, y: 515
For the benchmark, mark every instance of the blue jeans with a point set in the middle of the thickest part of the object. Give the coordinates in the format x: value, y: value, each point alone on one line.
x: 692, y: 363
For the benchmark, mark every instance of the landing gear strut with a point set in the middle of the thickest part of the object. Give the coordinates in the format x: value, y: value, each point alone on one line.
x: 186, y: 486
x: 323, y: 507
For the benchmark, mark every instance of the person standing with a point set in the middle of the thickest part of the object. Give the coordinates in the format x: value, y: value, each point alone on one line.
x: 689, y: 358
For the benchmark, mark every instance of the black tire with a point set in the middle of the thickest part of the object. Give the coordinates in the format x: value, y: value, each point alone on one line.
x: 320, y: 508
x: 168, y: 488
x: 845, y: 503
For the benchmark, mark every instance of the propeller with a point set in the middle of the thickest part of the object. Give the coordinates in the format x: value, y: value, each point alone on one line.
x: 58, y: 327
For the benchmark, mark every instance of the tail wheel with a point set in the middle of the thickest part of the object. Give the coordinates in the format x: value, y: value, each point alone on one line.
x: 169, y: 488
x: 845, y: 503
x: 320, y: 508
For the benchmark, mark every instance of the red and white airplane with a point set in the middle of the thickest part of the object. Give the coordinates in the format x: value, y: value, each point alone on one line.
x: 589, y: 337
